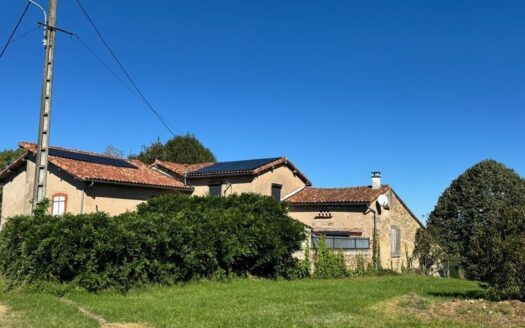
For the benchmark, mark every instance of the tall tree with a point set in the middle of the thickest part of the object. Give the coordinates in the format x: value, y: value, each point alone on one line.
x: 114, y: 151
x: 474, y: 209
x: 7, y: 157
x: 502, y: 264
x: 181, y: 149
x: 188, y: 150
x: 149, y: 154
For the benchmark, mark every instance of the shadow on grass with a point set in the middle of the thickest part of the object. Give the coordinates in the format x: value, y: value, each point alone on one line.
x: 468, y: 294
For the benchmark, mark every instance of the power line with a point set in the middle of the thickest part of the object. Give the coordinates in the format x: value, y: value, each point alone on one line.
x: 15, y: 29
x: 112, y: 72
x: 25, y: 34
x: 108, y: 67
x: 144, y: 99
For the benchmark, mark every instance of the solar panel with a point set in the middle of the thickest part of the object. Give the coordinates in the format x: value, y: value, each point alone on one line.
x: 104, y: 160
x: 246, y: 165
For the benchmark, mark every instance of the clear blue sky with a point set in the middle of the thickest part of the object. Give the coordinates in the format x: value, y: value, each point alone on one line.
x: 420, y: 90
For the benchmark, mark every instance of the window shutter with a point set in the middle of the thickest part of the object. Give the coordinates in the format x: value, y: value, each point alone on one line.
x: 215, y: 190
x: 398, y: 241
x: 276, y: 191
x: 392, y: 241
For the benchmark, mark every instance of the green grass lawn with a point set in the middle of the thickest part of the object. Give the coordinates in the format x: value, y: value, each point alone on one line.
x: 389, y: 301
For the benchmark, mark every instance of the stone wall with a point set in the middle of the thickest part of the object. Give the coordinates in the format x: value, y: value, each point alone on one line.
x: 358, y: 220
x: 260, y: 184
x: 81, y: 198
x: 397, y: 215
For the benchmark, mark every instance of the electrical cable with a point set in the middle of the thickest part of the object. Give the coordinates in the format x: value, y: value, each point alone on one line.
x: 25, y: 34
x: 15, y: 29
x: 145, y: 100
x: 108, y: 67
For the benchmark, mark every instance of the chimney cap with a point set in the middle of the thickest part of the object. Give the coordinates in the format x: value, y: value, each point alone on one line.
x: 376, y: 180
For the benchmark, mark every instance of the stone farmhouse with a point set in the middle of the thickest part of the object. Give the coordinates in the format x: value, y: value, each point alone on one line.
x: 84, y: 182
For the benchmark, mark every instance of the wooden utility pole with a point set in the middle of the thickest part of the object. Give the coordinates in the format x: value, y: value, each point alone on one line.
x: 40, y: 184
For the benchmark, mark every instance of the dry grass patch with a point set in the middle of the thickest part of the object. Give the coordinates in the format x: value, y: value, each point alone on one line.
x: 6, y: 318
x: 123, y: 325
x: 482, y: 313
x: 103, y: 323
x: 3, y: 310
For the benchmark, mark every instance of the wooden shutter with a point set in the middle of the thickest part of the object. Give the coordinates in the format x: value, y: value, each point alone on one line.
x: 215, y: 190
x: 396, y: 241
x: 276, y: 191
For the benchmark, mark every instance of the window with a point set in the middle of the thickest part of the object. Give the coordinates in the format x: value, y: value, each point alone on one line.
x: 396, y: 241
x: 276, y: 191
x: 59, y: 203
x: 215, y: 190
x: 342, y: 241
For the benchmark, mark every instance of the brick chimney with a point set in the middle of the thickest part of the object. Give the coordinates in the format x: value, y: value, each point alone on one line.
x: 376, y: 180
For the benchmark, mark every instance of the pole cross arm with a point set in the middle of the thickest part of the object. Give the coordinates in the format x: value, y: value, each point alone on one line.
x: 57, y: 29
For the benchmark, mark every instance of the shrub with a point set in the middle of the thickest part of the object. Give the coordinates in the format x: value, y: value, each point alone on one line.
x: 170, y: 239
x: 360, y: 264
x: 327, y: 263
x: 299, y: 269
x: 376, y: 253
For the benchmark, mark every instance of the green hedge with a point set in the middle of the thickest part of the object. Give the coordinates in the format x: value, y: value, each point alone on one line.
x: 170, y: 239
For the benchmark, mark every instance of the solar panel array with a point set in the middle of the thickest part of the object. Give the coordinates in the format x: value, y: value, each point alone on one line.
x: 104, y: 160
x: 246, y: 165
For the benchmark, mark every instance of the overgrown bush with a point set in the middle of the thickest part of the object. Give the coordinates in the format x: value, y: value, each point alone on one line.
x: 328, y: 264
x: 360, y: 264
x: 170, y: 239
x: 301, y: 268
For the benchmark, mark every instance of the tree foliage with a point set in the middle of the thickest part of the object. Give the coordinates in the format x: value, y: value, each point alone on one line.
x: 504, y: 258
x: 180, y: 149
x: 171, y: 239
x: 430, y: 255
x: 7, y: 157
x: 328, y: 265
x: 113, y: 151
x: 476, y: 219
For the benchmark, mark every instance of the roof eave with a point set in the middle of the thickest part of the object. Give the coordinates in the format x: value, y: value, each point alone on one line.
x: 284, y: 161
x: 164, y: 170
x: 258, y: 171
x: 221, y: 174
x: 329, y: 203
x: 408, y: 209
x: 129, y: 184
x: 9, y: 169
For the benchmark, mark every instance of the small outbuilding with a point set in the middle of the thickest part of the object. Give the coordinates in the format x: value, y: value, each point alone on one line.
x: 349, y: 218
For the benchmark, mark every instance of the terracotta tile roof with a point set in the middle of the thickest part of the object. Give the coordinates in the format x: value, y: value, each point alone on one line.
x: 13, y: 166
x: 141, y: 175
x: 353, y: 195
x: 179, y: 168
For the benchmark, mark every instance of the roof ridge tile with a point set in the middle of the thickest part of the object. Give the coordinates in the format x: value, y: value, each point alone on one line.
x: 142, y: 175
x: 33, y: 145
